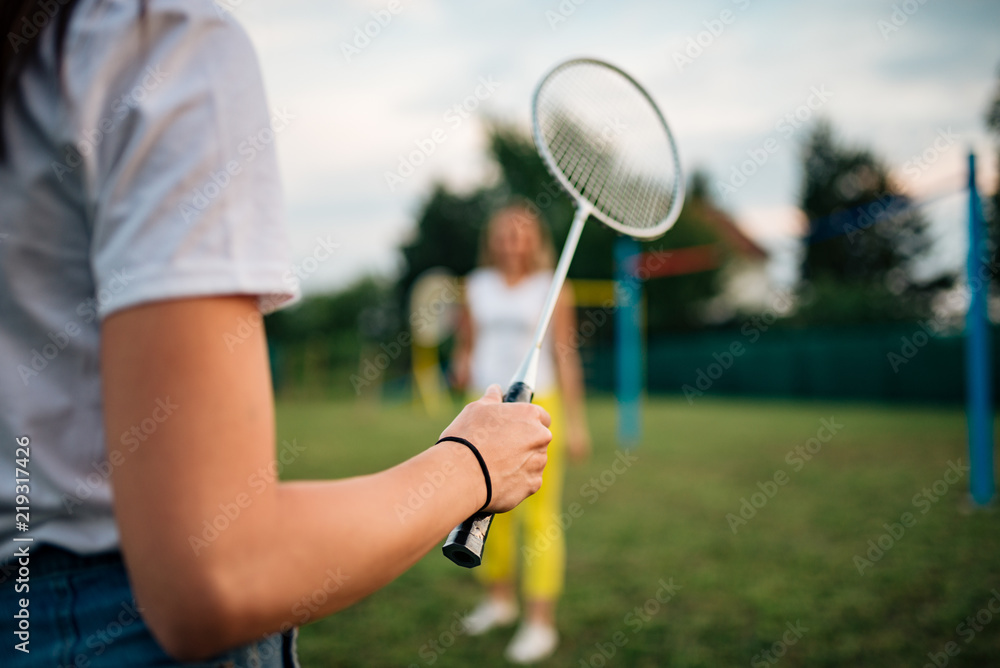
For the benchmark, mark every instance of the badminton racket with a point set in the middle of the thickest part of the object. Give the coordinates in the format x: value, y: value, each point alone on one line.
x: 603, y: 138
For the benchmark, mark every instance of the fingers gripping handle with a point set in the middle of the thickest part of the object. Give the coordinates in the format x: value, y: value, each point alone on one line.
x: 465, y: 543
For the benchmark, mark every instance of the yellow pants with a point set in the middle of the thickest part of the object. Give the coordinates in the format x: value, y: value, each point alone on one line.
x: 543, y: 548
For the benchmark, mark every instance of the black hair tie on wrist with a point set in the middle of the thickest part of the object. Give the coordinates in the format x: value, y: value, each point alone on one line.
x: 482, y: 465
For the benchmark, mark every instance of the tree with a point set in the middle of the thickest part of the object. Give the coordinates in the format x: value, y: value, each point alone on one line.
x: 992, y: 205
x: 863, y: 237
x: 447, y: 234
x: 449, y: 226
x: 317, y: 342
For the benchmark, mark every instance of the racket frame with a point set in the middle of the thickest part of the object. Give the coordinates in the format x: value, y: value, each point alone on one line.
x: 677, y: 196
x: 466, y: 542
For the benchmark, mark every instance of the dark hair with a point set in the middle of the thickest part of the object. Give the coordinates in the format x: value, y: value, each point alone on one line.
x: 22, y: 23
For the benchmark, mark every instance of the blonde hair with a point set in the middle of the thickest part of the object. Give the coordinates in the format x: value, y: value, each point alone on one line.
x: 523, y: 212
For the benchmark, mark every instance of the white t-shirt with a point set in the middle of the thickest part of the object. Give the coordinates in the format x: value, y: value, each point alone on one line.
x: 144, y: 170
x: 504, y: 319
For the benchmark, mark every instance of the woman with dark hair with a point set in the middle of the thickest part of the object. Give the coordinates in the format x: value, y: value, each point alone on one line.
x: 140, y: 227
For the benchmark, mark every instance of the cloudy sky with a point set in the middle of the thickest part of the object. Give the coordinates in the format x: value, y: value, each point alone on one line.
x: 728, y: 74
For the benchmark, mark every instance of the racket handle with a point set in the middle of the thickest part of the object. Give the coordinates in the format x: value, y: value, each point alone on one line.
x: 466, y: 542
x: 518, y: 393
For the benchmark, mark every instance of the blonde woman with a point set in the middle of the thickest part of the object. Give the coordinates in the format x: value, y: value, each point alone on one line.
x: 504, y: 299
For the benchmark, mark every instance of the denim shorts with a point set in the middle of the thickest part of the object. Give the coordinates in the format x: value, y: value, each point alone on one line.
x: 81, y: 614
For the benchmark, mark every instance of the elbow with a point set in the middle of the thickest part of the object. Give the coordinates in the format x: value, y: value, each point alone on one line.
x: 193, y: 620
x: 190, y: 638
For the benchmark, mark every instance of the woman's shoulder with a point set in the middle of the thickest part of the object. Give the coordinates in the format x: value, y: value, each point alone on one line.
x: 542, y: 277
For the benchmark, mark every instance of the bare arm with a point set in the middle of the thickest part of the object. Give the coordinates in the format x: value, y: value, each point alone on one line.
x: 461, y: 358
x: 289, y: 542
x: 570, y: 374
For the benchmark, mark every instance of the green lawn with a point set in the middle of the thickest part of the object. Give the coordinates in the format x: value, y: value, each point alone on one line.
x: 665, y: 519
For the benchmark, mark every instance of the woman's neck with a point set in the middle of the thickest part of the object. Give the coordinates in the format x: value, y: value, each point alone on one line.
x: 513, y: 276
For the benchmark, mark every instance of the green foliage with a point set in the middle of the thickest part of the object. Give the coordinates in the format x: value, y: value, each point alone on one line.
x: 825, y: 301
x: 991, y: 205
x: 993, y: 111
x: 316, y: 343
x: 674, y: 302
x: 447, y: 234
x: 322, y: 315
x: 666, y: 517
x: 863, y: 236
x: 449, y: 226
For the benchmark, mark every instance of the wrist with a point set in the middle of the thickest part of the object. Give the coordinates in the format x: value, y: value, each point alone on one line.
x: 471, y: 480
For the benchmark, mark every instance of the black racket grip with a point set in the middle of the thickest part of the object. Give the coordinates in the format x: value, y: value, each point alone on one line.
x: 518, y: 393
x: 466, y: 542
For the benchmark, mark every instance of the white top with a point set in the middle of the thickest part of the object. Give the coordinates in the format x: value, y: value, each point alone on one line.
x: 145, y: 171
x: 504, y: 319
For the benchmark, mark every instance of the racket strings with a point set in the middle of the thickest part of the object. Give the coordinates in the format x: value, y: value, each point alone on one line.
x: 609, y: 142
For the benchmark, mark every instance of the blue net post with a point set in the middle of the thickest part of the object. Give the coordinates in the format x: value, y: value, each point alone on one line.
x: 978, y: 365
x: 628, y: 342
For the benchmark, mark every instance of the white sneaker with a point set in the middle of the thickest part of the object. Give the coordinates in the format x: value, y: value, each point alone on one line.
x: 488, y: 615
x: 532, y: 642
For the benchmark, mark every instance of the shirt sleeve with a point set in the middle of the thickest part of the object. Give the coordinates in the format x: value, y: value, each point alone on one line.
x: 178, y: 150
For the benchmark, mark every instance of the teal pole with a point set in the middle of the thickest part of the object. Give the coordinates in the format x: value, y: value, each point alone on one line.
x: 978, y: 362
x: 628, y: 342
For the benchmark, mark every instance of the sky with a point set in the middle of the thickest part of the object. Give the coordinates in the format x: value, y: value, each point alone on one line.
x: 368, y: 83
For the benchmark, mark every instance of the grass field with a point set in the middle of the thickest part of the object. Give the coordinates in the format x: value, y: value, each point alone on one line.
x: 664, y: 520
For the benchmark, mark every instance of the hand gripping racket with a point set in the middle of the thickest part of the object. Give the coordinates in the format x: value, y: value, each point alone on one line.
x: 602, y: 136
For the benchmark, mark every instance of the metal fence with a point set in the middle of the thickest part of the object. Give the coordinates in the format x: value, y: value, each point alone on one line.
x: 884, y: 363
